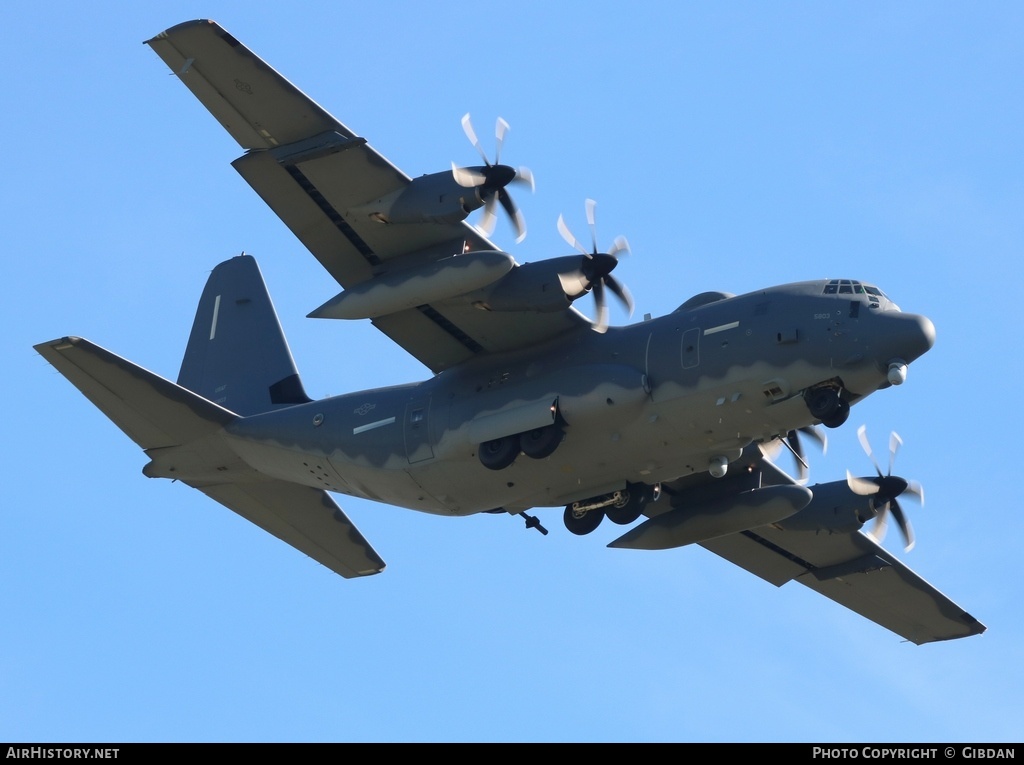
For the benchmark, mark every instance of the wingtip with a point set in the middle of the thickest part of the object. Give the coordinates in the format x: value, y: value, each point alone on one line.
x: 58, y: 344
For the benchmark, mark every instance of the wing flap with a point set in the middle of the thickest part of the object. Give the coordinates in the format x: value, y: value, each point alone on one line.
x: 760, y: 560
x: 307, y: 519
x: 314, y: 196
x: 444, y: 334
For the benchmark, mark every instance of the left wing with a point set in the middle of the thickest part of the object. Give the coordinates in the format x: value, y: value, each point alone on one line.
x: 820, y: 546
x: 319, y: 177
x: 854, y: 571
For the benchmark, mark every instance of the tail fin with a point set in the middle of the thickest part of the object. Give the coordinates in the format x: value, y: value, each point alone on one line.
x: 237, y: 355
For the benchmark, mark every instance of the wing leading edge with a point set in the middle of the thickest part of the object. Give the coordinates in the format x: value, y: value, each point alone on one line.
x: 318, y: 176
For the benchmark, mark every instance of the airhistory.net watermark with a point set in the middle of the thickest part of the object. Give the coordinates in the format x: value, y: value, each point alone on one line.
x: 61, y: 753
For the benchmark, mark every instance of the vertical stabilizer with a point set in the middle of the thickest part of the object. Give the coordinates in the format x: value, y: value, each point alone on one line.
x: 237, y: 355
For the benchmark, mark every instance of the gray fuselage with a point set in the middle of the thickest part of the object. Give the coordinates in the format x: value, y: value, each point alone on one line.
x: 644, y: 403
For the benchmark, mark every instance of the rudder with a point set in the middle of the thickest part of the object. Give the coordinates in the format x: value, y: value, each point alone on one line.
x: 237, y: 355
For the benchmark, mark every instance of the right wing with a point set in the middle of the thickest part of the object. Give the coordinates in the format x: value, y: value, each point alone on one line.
x: 314, y: 173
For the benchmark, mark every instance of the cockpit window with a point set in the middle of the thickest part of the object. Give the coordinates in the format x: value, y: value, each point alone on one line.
x: 852, y: 287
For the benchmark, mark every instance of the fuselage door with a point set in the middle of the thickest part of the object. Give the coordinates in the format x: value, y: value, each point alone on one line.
x: 690, y: 350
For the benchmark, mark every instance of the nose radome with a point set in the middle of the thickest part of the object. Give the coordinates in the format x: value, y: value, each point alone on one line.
x: 917, y: 334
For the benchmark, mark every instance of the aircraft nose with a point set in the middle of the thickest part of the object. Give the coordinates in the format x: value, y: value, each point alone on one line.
x: 914, y: 335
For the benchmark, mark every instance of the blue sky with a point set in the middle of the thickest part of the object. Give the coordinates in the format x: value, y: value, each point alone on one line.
x: 736, y: 145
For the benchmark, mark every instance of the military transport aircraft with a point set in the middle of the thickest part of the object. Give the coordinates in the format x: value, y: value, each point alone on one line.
x: 677, y: 419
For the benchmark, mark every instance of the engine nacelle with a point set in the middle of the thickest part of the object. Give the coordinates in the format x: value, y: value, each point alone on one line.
x: 546, y: 285
x: 439, y: 280
x: 433, y: 198
x: 833, y: 508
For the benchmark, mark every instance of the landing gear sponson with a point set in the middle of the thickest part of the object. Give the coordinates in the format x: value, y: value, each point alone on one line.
x: 537, y: 444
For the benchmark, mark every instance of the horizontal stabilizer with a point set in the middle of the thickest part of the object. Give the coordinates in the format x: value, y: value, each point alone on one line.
x: 308, y: 519
x: 180, y: 432
x: 151, y: 410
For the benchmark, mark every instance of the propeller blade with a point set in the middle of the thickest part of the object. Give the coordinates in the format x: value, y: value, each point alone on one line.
x: 592, y: 223
x: 865, y: 487
x: 468, y: 177
x: 904, y: 524
x: 794, y: 442
x: 597, y: 267
x: 895, y: 442
x: 489, y: 217
x: 601, y: 325
x: 492, y: 178
x: 620, y: 291
x: 881, y: 525
x: 567, y: 235
x: 467, y: 127
x: 619, y: 245
x: 915, y: 489
x: 525, y: 175
x: 863, y: 437
x: 513, y: 212
x: 816, y: 435
x: 888, y: 487
x: 500, y: 128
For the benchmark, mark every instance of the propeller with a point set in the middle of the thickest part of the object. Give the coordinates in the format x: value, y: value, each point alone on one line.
x: 491, y: 179
x: 596, y: 267
x: 792, y: 441
x: 885, y: 489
